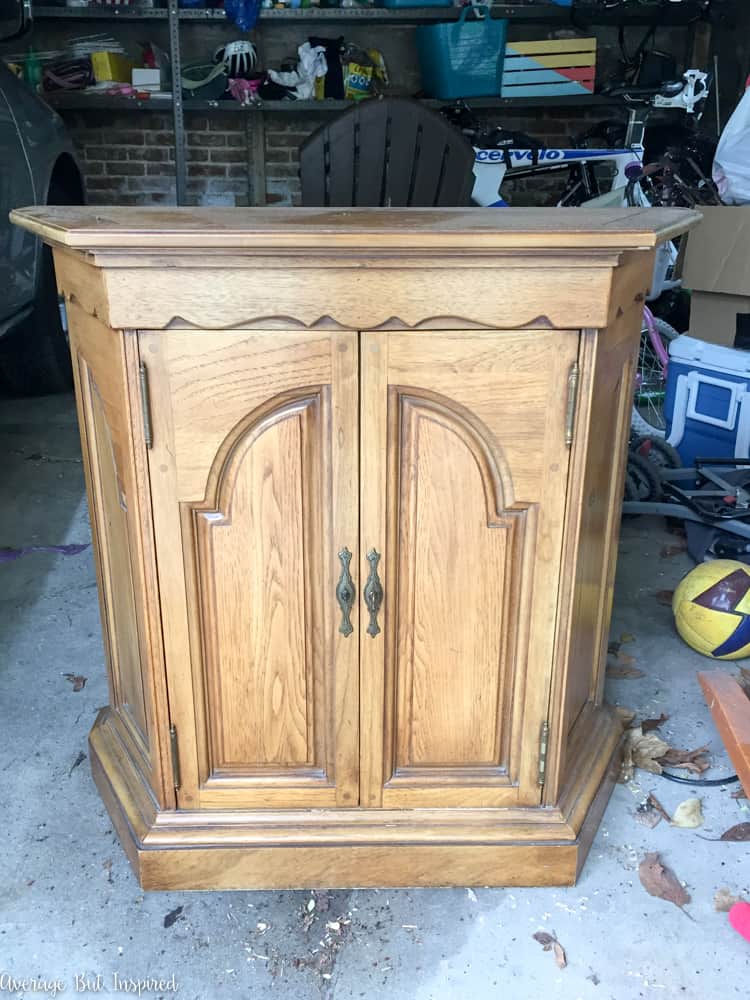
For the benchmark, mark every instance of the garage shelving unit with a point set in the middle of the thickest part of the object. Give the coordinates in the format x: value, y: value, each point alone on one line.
x: 582, y: 16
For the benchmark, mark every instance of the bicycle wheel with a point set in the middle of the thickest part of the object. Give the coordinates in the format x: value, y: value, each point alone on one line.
x: 647, y: 417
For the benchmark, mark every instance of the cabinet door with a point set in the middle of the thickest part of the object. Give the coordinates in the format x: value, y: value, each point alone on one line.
x: 464, y: 468
x: 253, y: 470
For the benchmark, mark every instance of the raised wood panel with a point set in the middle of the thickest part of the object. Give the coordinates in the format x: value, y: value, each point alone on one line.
x: 452, y: 682
x: 471, y: 498
x: 258, y: 561
x: 253, y: 468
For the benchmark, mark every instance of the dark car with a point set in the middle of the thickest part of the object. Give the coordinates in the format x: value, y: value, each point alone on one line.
x: 37, y: 166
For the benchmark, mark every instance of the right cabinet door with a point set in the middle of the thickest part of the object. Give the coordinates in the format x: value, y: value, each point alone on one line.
x: 464, y: 466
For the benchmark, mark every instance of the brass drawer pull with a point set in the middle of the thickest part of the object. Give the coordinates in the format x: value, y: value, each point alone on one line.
x: 345, y: 592
x: 373, y: 593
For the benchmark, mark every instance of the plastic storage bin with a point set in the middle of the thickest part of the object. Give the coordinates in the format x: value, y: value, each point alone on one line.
x: 463, y: 58
x: 707, y: 404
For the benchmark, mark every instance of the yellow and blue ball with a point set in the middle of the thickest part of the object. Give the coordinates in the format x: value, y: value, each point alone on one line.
x: 712, y: 609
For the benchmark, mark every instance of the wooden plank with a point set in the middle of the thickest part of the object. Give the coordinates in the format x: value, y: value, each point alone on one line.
x: 730, y: 709
x: 552, y: 45
x: 361, y: 229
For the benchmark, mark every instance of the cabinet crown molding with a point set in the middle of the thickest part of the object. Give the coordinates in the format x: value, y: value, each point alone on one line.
x: 354, y: 231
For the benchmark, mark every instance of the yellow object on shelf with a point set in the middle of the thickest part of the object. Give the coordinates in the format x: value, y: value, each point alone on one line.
x: 111, y: 66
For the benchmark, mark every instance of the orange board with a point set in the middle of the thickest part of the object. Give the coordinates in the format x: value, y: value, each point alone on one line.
x: 730, y: 708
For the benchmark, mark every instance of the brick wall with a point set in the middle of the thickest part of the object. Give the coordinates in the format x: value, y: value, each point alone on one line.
x: 128, y: 158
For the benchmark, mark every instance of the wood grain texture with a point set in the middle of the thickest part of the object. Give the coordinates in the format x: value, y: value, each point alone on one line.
x: 311, y: 756
x: 343, y: 296
x: 255, y: 552
x: 250, y: 436
x: 313, y: 228
x: 593, y: 512
x: 121, y: 527
x: 172, y: 850
x: 455, y: 699
x: 730, y: 709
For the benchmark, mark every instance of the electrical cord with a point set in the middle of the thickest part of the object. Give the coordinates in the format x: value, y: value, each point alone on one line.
x: 705, y: 782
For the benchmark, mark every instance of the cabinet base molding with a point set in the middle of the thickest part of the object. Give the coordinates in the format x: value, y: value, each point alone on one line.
x: 349, y: 848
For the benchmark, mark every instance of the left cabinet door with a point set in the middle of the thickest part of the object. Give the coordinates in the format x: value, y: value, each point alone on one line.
x: 253, y: 469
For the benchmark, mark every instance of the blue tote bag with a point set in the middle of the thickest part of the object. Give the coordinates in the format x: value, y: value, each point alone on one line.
x: 463, y: 58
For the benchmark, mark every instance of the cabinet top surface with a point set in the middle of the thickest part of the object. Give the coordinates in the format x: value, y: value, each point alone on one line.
x: 357, y: 229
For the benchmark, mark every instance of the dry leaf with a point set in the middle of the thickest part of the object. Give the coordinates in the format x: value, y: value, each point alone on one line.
x: 739, y: 793
x: 627, y: 637
x: 744, y: 680
x: 651, y: 811
x: 688, y: 814
x: 550, y: 943
x: 664, y: 597
x: 544, y: 939
x: 687, y: 759
x: 647, y: 748
x: 77, y: 680
x: 649, y: 724
x: 656, y: 804
x: 173, y: 916
x: 724, y: 899
x: 737, y: 833
x: 622, y: 672
x: 625, y: 659
x: 625, y: 715
x: 560, y: 957
x: 660, y: 881
x: 641, y: 750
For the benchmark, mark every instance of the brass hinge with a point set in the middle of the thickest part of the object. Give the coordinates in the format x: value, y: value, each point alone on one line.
x: 570, y: 414
x: 145, y: 404
x: 543, y: 743
x: 175, y: 757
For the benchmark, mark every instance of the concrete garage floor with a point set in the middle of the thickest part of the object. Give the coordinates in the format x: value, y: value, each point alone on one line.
x: 69, y: 903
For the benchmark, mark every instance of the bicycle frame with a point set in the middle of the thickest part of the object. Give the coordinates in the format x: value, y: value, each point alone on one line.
x: 493, y: 166
x: 491, y: 169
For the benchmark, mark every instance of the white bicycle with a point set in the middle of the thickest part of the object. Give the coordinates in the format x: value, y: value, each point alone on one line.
x: 605, y: 177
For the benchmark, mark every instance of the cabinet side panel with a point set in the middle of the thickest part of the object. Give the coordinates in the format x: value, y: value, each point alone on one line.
x: 109, y: 508
x: 121, y: 529
x: 594, y: 509
x: 592, y: 598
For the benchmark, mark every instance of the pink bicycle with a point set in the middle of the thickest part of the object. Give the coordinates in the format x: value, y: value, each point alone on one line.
x: 648, y: 418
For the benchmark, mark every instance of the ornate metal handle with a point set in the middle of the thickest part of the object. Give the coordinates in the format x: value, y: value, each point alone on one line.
x: 345, y: 592
x: 373, y: 593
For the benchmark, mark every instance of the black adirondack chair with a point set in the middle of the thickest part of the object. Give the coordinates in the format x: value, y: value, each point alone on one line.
x: 387, y: 153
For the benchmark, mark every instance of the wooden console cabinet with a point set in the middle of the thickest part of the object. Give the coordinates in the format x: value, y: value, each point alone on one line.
x: 355, y: 481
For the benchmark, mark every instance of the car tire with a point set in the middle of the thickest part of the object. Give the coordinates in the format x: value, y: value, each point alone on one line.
x: 35, y: 357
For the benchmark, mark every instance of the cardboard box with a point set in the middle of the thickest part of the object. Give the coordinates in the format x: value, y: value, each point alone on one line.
x: 717, y: 269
